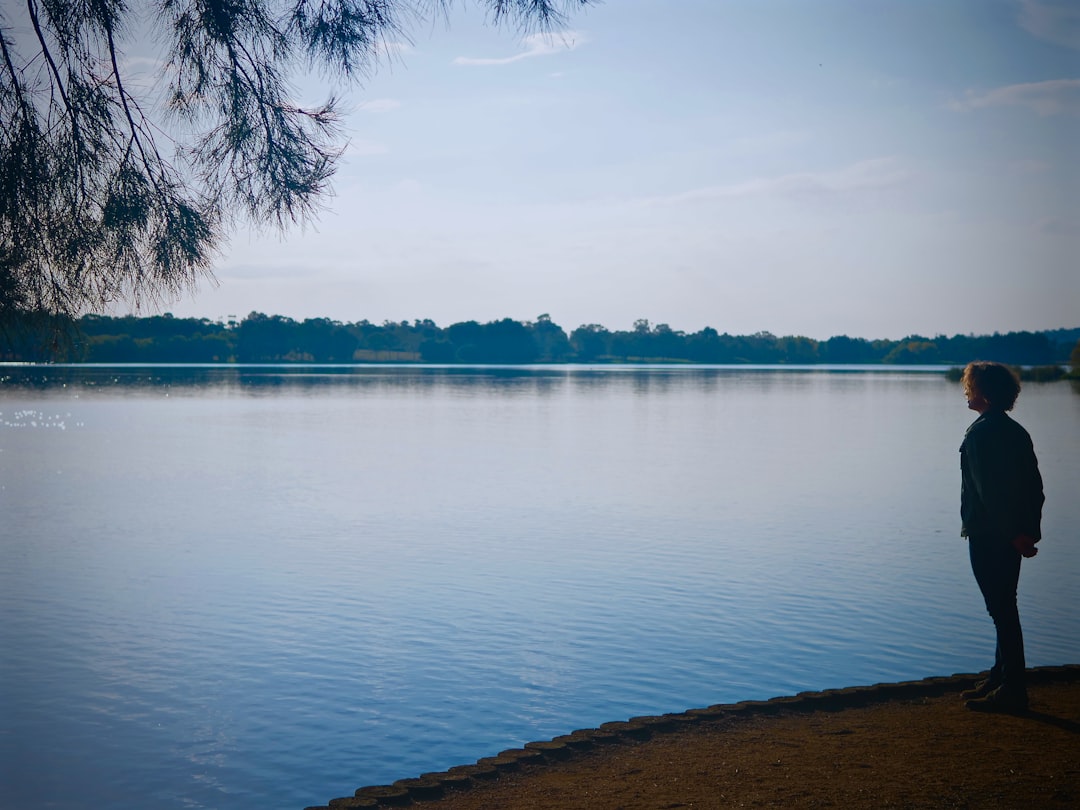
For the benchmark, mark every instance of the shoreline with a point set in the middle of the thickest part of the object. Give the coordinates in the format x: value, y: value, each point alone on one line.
x: 576, y: 756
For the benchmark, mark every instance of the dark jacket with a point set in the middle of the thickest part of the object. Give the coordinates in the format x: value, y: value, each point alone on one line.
x: 1001, y: 489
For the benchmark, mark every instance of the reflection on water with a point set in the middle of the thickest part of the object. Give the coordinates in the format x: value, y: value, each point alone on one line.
x: 230, y: 378
x: 227, y: 586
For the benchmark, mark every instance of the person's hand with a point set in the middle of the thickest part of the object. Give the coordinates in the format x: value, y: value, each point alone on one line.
x: 1025, y: 545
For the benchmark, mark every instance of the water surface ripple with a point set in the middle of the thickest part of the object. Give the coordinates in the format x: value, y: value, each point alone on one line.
x: 233, y: 586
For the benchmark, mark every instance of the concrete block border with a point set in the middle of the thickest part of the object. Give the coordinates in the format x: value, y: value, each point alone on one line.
x: 430, y: 787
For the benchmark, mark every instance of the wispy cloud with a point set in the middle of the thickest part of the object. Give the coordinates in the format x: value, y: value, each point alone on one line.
x: 1054, y: 22
x: 396, y: 48
x: 1052, y: 97
x: 866, y: 174
x: 533, y: 45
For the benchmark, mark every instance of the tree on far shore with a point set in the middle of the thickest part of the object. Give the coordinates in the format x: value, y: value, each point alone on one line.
x: 261, y: 338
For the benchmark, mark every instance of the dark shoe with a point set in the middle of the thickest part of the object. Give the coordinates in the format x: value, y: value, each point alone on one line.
x: 981, y: 689
x: 1002, y: 699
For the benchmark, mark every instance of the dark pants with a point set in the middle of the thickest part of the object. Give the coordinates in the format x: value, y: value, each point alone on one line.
x: 996, y: 565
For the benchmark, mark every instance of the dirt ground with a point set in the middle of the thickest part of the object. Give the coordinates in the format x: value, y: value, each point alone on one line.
x: 891, y: 746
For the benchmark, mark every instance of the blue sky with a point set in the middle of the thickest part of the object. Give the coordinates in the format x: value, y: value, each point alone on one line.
x: 809, y: 167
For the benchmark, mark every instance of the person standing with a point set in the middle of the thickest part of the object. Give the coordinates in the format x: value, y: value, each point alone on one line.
x: 1001, y: 499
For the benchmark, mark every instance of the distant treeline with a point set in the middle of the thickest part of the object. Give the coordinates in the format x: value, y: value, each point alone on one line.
x: 260, y: 338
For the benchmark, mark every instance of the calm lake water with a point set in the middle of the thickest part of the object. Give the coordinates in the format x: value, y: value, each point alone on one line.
x: 238, y: 587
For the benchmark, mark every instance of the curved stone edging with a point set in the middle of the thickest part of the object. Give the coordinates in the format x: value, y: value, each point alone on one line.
x: 432, y: 786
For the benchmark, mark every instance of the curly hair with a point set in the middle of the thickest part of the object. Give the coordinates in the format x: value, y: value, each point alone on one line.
x: 998, y: 384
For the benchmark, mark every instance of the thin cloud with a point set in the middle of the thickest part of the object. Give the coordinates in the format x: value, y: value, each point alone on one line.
x: 395, y: 48
x: 534, y: 45
x: 1052, y: 97
x: 866, y: 174
x: 1054, y: 22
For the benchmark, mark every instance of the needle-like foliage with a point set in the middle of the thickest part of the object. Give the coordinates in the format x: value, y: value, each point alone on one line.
x: 112, y: 189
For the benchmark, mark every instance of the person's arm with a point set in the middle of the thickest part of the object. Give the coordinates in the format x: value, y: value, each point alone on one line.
x: 1030, y: 494
x: 1008, y: 485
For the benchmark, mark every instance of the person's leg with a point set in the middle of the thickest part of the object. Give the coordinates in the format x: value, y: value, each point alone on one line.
x: 996, y: 565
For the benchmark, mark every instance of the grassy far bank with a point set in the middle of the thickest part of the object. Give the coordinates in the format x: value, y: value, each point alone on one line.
x: 260, y: 338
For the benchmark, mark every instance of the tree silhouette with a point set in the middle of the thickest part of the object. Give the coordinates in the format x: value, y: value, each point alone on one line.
x: 110, y: 192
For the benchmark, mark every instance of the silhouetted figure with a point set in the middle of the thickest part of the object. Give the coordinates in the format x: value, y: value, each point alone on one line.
x: 1001, y: 500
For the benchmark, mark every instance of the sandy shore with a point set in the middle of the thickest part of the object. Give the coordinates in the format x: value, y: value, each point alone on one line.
x: 906, y: 745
